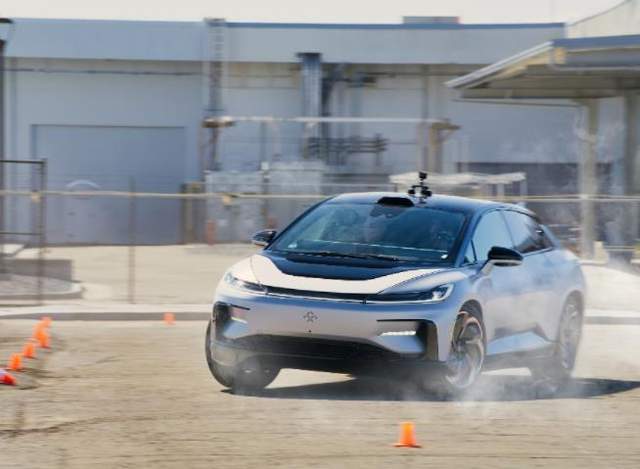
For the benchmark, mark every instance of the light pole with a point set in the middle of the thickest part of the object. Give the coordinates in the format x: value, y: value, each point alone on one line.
x: 5, y: 29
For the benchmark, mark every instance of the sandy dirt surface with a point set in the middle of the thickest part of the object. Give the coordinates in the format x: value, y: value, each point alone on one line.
x: 138, y: 394
x: 162, y: 274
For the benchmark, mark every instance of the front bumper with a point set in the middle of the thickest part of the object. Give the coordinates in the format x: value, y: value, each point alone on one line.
x: 312, y: 354
x: 326, y: 334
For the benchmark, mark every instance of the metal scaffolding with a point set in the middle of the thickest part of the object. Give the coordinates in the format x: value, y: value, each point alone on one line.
x: 434, y: 131
x: 214, y: 71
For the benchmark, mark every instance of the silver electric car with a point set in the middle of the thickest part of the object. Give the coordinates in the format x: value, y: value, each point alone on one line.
x: 409, y: 286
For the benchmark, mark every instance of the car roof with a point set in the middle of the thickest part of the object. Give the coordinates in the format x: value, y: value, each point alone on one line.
x: 441, y: 202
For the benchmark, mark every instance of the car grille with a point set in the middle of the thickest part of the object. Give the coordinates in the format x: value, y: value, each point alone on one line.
x: 313, y: 348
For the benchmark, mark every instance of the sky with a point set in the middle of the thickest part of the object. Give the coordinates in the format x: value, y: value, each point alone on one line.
x: 326, y: 11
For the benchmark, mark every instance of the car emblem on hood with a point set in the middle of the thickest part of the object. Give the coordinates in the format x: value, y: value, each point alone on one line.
x: 310, y: 316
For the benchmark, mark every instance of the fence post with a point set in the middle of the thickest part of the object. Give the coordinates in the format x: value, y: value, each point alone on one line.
x: 131, y: 290
x: 42, y: 241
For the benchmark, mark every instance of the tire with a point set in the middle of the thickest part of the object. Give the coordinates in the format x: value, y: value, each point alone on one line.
x: 466, y: 359
x: 553, y: 373
x: 249, y: 377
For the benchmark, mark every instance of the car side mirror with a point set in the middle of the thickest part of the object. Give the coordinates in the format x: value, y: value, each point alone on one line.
x: 264, y: 237
x: 502, y: 257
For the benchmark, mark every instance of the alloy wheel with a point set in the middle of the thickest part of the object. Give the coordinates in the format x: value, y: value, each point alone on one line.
x: 569, y: 336
x: 467, y: 352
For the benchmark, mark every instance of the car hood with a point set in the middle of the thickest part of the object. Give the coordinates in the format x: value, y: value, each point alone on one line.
x: 263, y: 270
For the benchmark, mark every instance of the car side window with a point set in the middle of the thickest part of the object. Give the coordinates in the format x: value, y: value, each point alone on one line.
x: 528, y: 235
x: 491, y: 231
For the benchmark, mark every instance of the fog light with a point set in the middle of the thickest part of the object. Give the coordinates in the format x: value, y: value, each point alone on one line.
x: 398, y: 333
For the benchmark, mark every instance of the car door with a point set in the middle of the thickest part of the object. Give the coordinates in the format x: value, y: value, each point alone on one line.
x: 500, y: 288
x: 537, y: 270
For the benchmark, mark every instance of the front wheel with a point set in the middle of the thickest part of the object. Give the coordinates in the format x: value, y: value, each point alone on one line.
x: 246, y: 377
x: 464, y: 365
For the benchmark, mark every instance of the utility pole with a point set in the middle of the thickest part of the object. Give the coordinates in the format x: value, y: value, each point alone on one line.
x: 5, y: 28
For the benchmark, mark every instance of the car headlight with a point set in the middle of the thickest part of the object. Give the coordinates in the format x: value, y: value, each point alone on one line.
x: 435, y: 295
x: 242, y: 284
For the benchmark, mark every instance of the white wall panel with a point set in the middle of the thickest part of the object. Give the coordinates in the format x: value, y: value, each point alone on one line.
x: 255, y: 42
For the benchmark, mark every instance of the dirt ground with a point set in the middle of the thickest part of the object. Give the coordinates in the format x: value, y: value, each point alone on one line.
x: 185, y: 274
x: 138, y: 394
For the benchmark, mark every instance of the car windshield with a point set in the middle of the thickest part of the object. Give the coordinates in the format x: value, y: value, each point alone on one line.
x: 375, y: 231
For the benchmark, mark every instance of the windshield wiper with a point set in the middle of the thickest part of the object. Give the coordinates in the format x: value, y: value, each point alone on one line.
x: 383, y: 257
x: 325, y: 254
x: 350, y: 256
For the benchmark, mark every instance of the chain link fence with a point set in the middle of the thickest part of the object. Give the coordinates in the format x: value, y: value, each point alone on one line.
x: 143, y: 247
x: 23, y: 221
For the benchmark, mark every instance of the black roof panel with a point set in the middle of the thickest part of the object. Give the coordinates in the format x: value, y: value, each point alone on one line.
x: 442, y: 202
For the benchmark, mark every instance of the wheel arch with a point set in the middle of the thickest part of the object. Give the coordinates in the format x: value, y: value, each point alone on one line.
x: 446, y: 324
x: 474, y: 307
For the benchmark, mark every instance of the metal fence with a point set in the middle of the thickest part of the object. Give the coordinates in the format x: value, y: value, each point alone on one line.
x: 115, y: 256
x: 23, y: 279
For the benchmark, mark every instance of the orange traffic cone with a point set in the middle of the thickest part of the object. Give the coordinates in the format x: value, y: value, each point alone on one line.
x: 6, y: 378
x: 37, y: 330
x: 29, y: 350
x: 407, y: 436
x: 40, y: 335
x: 43, y: 339
x: 46, y: 321
x: 169, y: 319
x: 15, y: 362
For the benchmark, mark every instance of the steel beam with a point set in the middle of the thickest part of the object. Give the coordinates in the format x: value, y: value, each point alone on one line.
x: 631, y: 165
x: 631, y: 149
x: 536, y: 93
x: 587, y: 177
x: 3, y: 265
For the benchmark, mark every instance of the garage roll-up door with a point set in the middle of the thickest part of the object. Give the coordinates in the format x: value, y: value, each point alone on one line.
x: 86, y: 158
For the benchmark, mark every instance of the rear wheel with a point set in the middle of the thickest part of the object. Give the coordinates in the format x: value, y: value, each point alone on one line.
x: 249, y: 376
x: 554, y: 372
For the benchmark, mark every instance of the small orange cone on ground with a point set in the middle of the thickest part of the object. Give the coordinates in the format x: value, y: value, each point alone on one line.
x: 46, y: 321
x: 29, y: 350
x: 169, y: 319
x: 407, y: 436
x: 43, y: 339
x: 6, y: 378
x: 15, y: 362
x: 37, y: 330
x: 41, y: 336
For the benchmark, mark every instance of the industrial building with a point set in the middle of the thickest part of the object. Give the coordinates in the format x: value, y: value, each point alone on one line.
x: 118, y: 104
x: 596, y: 68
